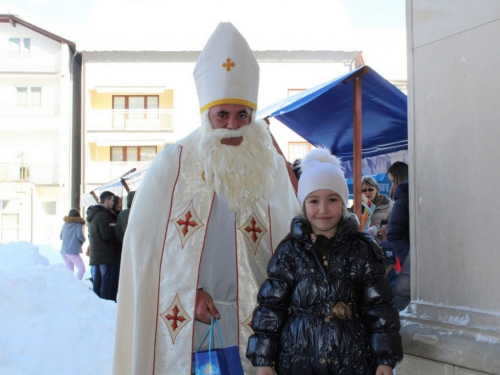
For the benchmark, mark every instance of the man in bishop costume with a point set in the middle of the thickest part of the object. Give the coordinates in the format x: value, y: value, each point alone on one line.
x: 206, y: 218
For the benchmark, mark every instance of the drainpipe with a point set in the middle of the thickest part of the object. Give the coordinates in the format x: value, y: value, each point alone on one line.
x: 76, y: 131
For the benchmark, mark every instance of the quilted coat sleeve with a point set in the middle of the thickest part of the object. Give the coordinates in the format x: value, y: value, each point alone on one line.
x: 379, y: 313
x: 272, y: 311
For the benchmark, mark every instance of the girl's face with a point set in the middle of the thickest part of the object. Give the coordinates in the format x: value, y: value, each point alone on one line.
x: 369, y: 191
x: 324, y: 210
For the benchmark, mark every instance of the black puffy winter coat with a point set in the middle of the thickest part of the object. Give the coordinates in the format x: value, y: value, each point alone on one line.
x: 294, y: 326
x: 398, y: 228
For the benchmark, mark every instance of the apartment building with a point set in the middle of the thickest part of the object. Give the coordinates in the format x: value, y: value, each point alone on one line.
x: 37, y: 71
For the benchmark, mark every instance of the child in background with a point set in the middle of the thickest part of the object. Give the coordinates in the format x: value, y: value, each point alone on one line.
x: 326, y: 307
x: 72, y: 239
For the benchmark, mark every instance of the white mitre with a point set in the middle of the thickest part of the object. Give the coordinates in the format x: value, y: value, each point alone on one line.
x: 226, y: 71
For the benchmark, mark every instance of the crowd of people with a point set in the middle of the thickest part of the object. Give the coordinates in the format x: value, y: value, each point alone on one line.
x: 106, y: 225
x: 219, y: 232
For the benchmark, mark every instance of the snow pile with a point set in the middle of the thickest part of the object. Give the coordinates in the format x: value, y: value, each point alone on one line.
x: 50, y: 322
x: 20, y: 255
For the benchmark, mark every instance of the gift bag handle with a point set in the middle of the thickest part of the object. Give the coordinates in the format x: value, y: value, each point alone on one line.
x: 212, y: 335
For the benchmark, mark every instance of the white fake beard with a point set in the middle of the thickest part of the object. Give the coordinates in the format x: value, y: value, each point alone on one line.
x: 243, y: 174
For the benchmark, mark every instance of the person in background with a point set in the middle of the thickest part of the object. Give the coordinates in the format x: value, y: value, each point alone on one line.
x: 72, y: 240
x: 206, y: 218
x: 120, y: 228
x: 296, y: 168
x: 116, y: 209
x: 383, y: 206
x: 398, y: 227
x: 102, y: 246
x: 326, y: 307
x: 122, y: 221
x: 114, y: 212
x: 397, y: 173
x: 398, y: 231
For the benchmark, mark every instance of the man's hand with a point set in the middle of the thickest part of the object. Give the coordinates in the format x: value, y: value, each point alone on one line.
x: 205, y: 307
x: 384, y: 370
x: 264, y: 371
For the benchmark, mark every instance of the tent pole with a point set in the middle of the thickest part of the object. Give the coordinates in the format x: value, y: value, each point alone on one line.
x: 357, y: 109
x: 357, y: 145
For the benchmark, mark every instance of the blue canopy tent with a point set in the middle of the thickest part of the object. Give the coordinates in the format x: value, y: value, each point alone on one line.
x: 323, y: 115
x: 360, y: 116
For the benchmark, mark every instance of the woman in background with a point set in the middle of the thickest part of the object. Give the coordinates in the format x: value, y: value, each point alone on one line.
x: 398, y: 231
x: 383, y: 207
x: 72, y: 239
x: 397, y: 173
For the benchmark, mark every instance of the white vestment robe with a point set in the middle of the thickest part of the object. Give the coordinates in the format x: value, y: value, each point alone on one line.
x: 168, y: 253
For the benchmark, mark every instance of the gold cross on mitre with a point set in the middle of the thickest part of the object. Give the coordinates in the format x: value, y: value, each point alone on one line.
x: 228, y: 64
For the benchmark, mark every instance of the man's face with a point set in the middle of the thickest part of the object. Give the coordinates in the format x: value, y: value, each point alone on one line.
x: 108, y: 203
x: 232, y: 117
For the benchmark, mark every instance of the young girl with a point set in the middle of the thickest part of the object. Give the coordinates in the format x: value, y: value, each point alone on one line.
x: 72, y: 239
x: 326, y: 307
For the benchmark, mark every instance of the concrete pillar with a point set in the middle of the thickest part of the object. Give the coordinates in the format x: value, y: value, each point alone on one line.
x: 454, y: 115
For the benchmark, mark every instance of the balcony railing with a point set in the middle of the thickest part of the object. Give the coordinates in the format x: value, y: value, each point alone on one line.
x: 99, y: 173
x: 45, y: 110
x: 33, y: 62
x: 130, y: 119
x: 37, y: 174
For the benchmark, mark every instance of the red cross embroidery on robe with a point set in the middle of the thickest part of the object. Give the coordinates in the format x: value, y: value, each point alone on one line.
x: 253, y: 231
x: 175, y: 317
x: 187, y: 223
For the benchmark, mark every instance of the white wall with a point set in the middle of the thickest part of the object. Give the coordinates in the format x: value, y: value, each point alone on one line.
x: 454, y: 86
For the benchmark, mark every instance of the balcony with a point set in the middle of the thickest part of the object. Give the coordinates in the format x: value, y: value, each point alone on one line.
x: 130, y: 120
x: 37, y: 174
x: 99, y: 173
x: 33, y: 62
x: 45, y: 110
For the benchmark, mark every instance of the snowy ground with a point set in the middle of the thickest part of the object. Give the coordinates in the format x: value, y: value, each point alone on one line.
x: 50, y: 322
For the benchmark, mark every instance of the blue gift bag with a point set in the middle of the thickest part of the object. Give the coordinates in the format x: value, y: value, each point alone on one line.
x: 224, y: 361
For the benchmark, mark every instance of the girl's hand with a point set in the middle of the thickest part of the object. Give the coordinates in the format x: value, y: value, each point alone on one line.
x: 264, y: 371
x: 384, y: 370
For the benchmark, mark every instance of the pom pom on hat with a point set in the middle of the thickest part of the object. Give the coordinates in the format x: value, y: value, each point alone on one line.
x: 321, y: 170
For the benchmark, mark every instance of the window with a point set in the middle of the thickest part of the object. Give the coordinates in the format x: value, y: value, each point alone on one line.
x: 49, y: 208
x: 132, y: 153
x: 31, y: 97
x: 36, y: 96
x: 19, y: 45
x: 130, y: 108
x: 9, y: 227
x: 297, y: 150
x: 22, y: 96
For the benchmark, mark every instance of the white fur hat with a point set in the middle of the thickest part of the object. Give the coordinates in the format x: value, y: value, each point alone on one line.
x: 226, y: 71
x: 321, y: 170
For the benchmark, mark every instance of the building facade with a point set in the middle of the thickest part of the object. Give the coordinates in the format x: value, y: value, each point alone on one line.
x: 36, y: 122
